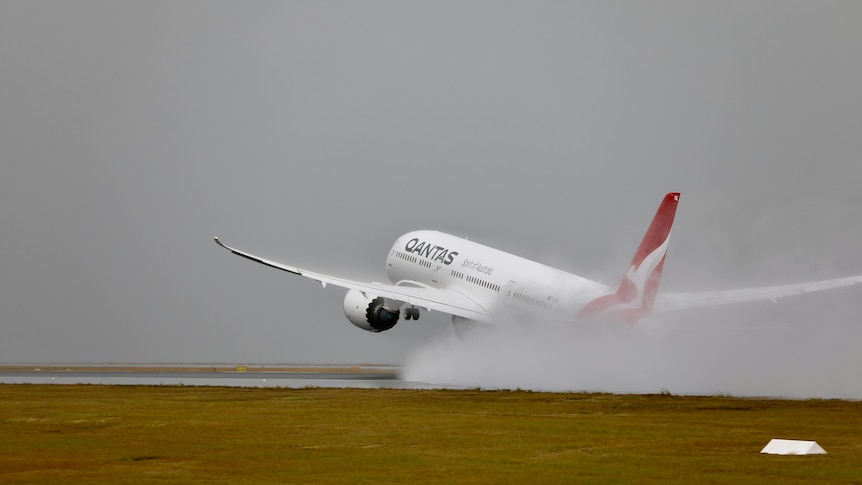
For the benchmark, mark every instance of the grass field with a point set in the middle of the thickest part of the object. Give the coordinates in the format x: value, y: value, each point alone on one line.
x: 122, y: 434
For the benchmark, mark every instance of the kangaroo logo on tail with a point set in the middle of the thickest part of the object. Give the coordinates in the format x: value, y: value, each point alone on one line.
x: 635, y: 297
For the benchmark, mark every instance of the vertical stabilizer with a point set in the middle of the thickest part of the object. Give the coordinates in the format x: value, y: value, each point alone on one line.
x: 635, y: 296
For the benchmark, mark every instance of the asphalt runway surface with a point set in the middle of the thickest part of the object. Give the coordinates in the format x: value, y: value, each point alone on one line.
x: 335, y: 378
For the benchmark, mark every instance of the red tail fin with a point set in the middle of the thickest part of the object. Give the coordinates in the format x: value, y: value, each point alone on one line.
x: 635, y: 296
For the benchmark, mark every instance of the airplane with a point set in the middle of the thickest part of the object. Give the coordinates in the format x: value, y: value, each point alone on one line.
x: 435, y: 271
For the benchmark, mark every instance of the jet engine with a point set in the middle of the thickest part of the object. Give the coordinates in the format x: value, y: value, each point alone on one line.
x: 373, y: 315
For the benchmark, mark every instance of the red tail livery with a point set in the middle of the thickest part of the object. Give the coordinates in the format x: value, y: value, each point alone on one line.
x: 635, y: 297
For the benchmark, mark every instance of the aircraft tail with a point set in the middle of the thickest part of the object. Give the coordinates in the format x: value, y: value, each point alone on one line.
x: 635, y: 297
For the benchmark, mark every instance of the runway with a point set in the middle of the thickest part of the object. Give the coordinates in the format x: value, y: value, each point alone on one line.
x: 288, y: 377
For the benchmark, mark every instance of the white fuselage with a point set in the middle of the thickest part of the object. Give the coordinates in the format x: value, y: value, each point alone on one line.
x: 492, y: 278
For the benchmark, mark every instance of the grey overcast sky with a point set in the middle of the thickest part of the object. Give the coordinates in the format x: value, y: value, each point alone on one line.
x: 317, y: 132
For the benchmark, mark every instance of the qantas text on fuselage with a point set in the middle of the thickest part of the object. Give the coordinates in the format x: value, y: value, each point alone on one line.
x: 430, y: 251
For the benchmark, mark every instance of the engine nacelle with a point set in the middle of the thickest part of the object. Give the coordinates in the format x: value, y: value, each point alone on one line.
x: 371, y: 315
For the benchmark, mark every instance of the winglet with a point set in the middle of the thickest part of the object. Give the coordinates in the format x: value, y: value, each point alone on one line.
x: 258, y: 259
x: 227, y: 247
x: 635, y: 297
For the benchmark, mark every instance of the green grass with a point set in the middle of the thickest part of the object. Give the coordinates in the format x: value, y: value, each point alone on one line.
x: 110, y: 434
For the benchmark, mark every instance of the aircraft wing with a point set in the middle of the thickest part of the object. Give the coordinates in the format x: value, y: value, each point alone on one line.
x: 445, y: 301
x: 681, y: 301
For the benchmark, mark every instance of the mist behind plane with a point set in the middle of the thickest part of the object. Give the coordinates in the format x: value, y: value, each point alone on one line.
x: 794, y: 349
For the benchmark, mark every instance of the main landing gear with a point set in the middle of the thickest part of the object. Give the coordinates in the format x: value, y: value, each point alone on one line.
x: 411, y: 312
